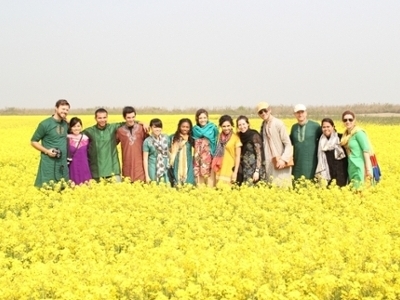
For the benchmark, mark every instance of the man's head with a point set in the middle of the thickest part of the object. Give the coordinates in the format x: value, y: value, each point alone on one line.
x: 129, y: 114
x: 263, y: 110
x: 300, y: 112
x: 61, y: 109
x: 101, y: 116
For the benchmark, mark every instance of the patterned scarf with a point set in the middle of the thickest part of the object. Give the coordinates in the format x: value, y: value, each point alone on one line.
x: 325, y: 144
x: 179, y: 148
x: 219, y: 154
x: 161, y: 145
x: 347, y: 136
x: 209, y: 131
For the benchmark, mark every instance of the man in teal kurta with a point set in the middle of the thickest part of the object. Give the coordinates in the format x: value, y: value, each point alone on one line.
x: 52, y: 132
x: 103, y: 154
x: 304, y: 135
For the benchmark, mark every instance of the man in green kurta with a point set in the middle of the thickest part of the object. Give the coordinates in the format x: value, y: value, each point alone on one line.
x: 52, y: 132
x: 103, y: 154
x: 304, y: 135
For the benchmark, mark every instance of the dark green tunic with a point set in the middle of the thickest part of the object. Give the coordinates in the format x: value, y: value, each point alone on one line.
x: 103, y: 154
x: 53, y: 134
x: 305, y: 143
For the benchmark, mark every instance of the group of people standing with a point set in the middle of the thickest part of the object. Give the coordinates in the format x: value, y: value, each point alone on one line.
x: 201, y: 153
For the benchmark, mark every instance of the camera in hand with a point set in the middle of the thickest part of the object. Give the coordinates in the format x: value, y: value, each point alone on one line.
x: 57, y: 152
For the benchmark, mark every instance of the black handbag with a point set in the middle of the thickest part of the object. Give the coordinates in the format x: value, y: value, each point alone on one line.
x: 171, y: 176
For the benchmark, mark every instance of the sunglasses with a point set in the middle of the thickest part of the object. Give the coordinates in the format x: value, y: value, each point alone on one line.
x: 260, y: 112
x: 347, y: 120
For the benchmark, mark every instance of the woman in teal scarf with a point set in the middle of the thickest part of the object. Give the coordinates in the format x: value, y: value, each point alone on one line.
x: 205, y: 135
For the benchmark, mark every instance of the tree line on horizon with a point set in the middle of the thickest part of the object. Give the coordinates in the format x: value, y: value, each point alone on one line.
x: 278, y: 110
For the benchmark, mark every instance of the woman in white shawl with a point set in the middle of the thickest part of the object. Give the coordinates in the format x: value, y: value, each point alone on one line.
x: 332, y: 160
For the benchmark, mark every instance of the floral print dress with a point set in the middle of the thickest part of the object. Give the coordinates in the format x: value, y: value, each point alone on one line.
x: 202, y: 158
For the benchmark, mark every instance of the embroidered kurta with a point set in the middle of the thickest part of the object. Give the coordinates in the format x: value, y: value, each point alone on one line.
x: 52, y: 134
x: 281, y: 141
x: 79, y: 170
x: 305, y: 143
x: 103, y: 154
x: 224, y: 175
x: 131, y: 139
x: 148, y: 146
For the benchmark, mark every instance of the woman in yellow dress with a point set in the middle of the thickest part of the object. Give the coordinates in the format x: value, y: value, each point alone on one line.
x: 226, y: 161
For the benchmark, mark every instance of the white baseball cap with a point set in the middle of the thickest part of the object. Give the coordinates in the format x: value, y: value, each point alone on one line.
x: 300, y: 107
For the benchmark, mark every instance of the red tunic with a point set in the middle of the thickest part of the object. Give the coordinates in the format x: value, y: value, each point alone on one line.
x: 131, y: 140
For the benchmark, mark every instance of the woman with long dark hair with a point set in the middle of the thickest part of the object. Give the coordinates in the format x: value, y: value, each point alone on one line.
x: 251, y: 157
x: 181, y: 154
x: 226, y: 161
x: 332, y: 160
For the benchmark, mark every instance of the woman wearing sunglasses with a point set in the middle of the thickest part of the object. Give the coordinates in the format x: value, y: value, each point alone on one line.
x: 357, y: 146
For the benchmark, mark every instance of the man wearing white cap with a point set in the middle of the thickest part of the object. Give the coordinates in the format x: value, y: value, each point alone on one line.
x: 278, y: 150
x: 304, y: 135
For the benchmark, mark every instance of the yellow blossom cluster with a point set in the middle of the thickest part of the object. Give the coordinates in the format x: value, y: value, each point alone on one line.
x: 137, y: 241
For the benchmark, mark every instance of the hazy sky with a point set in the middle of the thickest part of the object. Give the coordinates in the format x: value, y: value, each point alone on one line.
x: 199, y: 53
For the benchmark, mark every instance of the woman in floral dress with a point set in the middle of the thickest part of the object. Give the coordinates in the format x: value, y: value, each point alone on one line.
x: 205, y: 136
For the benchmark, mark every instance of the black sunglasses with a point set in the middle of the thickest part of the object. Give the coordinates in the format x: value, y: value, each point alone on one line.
x: 262, y: 111
x: 350, y: 120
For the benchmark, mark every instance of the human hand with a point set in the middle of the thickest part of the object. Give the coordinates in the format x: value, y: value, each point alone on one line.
x: 146, y: 127
x: 233, y: 177
x: 280, y: 164
x: 51, y: 152
x: 256, y: 176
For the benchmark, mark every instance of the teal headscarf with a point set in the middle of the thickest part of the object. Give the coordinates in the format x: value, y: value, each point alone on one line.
x: 210, y: 132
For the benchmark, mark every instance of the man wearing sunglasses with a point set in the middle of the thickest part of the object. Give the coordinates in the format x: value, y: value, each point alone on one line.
x: 304, y: 136
x: 278, y: 150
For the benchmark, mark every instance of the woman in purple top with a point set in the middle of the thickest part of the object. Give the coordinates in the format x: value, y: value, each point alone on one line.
x: 78, y: 144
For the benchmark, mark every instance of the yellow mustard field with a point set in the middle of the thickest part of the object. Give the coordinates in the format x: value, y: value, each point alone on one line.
x: 137, y: 241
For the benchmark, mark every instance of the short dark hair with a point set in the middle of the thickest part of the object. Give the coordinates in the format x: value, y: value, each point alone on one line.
x: 62, y: 102
x: 73, y: 122
x: 198, y: 113
x: 156, y: 123
x: 100, y: 110
x: 225, y: 118
x: 128, y: 110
